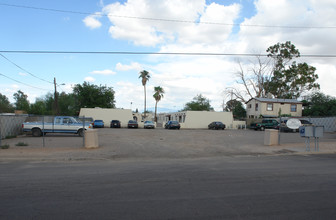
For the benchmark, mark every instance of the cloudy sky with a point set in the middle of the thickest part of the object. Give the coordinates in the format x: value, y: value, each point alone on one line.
x: 165, y: 26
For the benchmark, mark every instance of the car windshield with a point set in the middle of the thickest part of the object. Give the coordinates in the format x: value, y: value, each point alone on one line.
x: 131, y: 121
x: 174, y: 122
x: 148, y: 122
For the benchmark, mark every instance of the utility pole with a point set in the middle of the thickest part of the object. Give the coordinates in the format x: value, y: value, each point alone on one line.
x: 56, y: 111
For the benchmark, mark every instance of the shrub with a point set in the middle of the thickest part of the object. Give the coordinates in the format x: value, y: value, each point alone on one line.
x: 6, y: 146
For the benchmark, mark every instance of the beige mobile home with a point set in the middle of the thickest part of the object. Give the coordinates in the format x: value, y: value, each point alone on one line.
x: 200, y: 119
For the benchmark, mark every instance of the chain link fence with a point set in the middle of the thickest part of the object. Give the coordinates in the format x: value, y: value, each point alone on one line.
x: 329, y: 123
x: 11, y: 125
x: 64, y: 126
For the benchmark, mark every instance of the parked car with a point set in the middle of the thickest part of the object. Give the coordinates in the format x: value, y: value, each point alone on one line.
x: 132, y: 124
x: 115, y: 124
x: 265, y: 123
x: 172, y: 125
x: 98, y: 123
x: 216, y: 125
x: 284, y: 127
x: 149, y: 124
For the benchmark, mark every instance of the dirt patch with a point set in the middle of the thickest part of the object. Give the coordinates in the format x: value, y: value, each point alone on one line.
x: 158, y: 143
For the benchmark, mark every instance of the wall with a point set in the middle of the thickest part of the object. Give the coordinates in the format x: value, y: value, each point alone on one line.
x: 285, y: 109
x: 201, y: 119
x: 11, y: 125
x: 252, y: 111
x: 107, y: 115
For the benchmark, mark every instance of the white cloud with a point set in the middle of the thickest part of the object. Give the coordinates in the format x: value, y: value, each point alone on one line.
x: 147, y: 32
x: 92, y: 21
x: 89, y: 79
x: 132, y: 66
x: 22, y: 74
x: 103, y: 72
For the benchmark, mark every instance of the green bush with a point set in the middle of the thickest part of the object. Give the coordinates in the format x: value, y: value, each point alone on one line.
x: 6, y: 146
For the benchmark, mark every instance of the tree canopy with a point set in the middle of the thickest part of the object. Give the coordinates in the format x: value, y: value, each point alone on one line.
x: 237, y: 109
x: 278, y: 75
x: 21, y: 101
x: 91, y: 96
x: 289, y: 79
x: 5, y: 105
x: 319, y: 104
x: 199, y: 103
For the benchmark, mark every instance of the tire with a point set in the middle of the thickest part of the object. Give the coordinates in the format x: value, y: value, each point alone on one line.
x: 262, y: 128
x: 81, y: 132
x: 36, y: 132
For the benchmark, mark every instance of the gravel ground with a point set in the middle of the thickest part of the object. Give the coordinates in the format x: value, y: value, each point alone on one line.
x: 159, y: 144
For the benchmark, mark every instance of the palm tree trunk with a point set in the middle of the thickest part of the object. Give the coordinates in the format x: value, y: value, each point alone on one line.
x: 145, y: 102
x: 155, y: 118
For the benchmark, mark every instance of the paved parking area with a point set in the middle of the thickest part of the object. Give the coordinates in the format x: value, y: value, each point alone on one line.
x: 159, y: 144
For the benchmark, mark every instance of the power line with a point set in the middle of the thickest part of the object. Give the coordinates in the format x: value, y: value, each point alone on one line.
x: 22, y: 82
x: 24, y: 69
x: 167, y: 20
x: 155, y: 53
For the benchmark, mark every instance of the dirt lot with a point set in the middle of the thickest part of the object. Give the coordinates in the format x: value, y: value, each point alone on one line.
x: 159, y: 143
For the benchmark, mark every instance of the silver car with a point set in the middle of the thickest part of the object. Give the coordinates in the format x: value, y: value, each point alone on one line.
x: 149, y: 125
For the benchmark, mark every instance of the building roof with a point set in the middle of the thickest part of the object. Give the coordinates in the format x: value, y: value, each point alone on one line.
x: 276, y: 100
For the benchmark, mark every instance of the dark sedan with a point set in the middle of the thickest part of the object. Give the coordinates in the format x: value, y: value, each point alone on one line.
x: 172, y: 125
x: 115, y: 124
x: 216, y: 125
x: 132, y: 124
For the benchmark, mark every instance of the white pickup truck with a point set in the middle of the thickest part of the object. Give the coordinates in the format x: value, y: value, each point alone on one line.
x: 60, y: 124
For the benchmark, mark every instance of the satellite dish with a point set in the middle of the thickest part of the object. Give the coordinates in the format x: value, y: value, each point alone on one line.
x: 293, y: 123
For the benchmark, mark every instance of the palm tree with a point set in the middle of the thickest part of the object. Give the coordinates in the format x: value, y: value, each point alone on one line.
x: 158, y: 95
x: 145, y: 77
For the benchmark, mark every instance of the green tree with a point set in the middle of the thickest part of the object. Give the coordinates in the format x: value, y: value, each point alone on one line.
x: 66, y: 104
x: 158, y: 95
x: 49, y: 103
x: 199, y: 103
x: 38, y: 108
x: 21, y: 101
x: 237, y: 109
x: 5, y: 105
x: 90, y: 96
x: 319, y: 104
x: 144, y: 75
x: 278, y: 74
x: 289, y: 79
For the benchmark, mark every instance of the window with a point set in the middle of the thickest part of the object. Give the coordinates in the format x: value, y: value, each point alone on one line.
x: 256, y: 107
x: 269, y: 106
x: 293, y: 107
x: 249, y: 106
